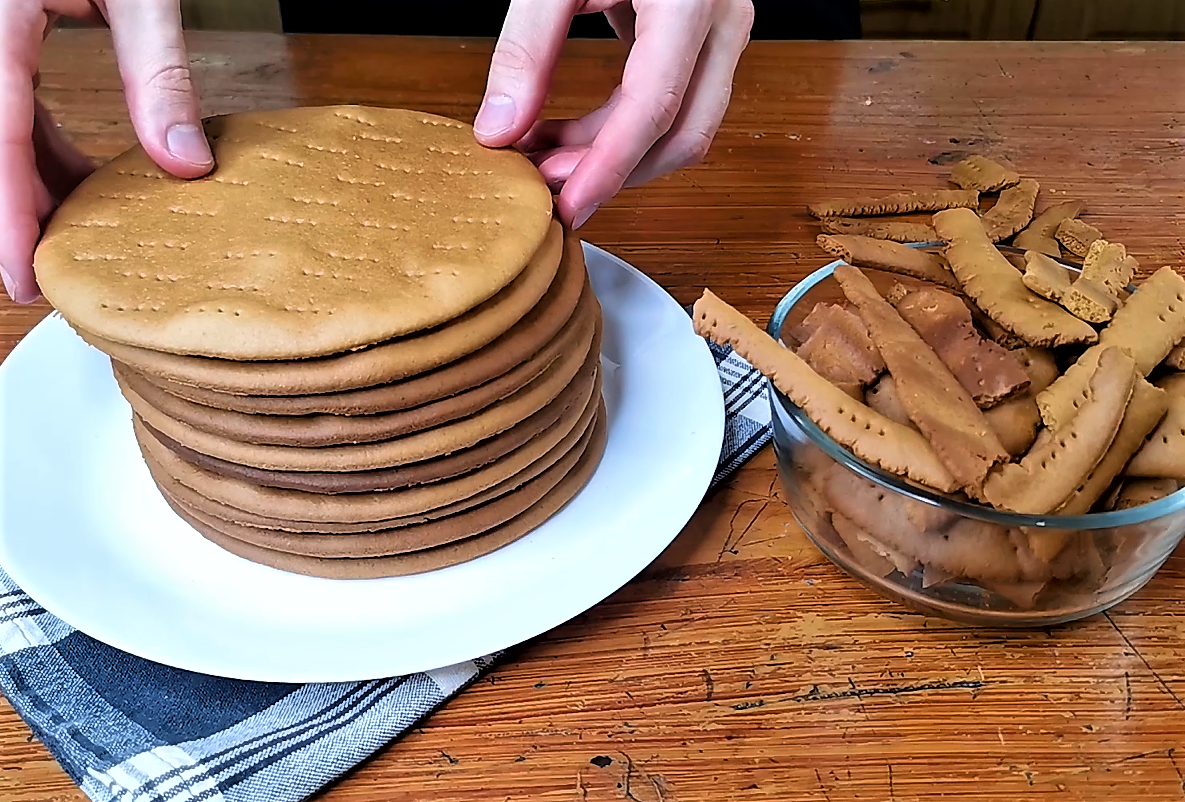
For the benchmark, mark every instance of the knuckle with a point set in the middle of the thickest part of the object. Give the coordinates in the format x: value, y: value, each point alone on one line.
x: 695, y: 148
x: 614, y: 174
x: 171, y: 78
x: 664, y: 109
x: 513, y: 57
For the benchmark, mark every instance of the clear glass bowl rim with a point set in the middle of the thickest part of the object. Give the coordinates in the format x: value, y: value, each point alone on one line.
x: 1100, y: 520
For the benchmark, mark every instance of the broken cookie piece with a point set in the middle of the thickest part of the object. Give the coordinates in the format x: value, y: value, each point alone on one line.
x: 998, y: 288
x: 1047, y: 476
x: 937, y: 404
x: 882, y: 397
x: 1089, y: 301
x: 891, y: 257
x: 986, y: 370
x: 1077, y: 236
x: 1138, y: 492
x: 1041, y: 234
x: 835, y: 343
x: 1016, y: 420
x: 1163, y: 456
x: 966, y: 548
x: 1176, y: 357
x: 892, y: 230
x: 1083, y: 298
x: 1147, y: 327
x: 982, y: 174
x: 1012, y: 212
x: 870, y: 552
x: 897, y: 203
x: 1108, y: 265
x: 1045, y: 277
x: 869, y: 435
x: 1145, y: 411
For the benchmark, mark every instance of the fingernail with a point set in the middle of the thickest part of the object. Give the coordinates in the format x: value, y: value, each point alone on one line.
x: 495, y: 116
x: 15, y: 291
x: 188, y: 143
x: 9, y: 284
x: 582, y: 216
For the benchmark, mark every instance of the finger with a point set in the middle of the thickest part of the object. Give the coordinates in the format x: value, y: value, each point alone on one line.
x: 547, y: 134
x: 520, y: 70
x: 622, y: 19
x: 556, y: 165
x: 21, y: 25
x: 60, y: 165
x: 43, y: 201
x: 156, y: 78
x: 657, y: 72
x: 704, y: 105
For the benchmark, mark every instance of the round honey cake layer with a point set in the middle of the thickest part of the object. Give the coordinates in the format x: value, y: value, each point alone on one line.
x: 414, y: 536
x: 417, y: 561
x: 319, y: 231
x: 296, y: 505
x: 368, y: 367
x: 413, y: 447
x: 310, y: 431
x: 556, y: 442
x: 570, y: 294
x: 576, y: 397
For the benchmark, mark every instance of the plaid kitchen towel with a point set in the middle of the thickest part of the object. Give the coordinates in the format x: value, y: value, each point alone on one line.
x: 129, y: 729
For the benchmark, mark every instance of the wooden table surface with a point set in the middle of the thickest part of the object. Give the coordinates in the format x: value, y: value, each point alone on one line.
x: 742, y: 665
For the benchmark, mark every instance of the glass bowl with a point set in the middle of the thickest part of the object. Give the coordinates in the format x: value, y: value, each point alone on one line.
x: 978, y: 565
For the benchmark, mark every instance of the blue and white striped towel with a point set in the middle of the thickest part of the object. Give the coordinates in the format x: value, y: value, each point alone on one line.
x: 128, y: 729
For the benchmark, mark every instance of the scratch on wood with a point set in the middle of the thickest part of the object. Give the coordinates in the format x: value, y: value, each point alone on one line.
x: 628, y: 791
x: 1127, y: 693
x: 822, y: 786
x: 892, y: 788
x: 1142, y: 755
x: 1172, y: 755
x: 816, y: 695
x: 709, y: 684
x: 749, y: 705
x: 859, y: 696
x: 990, y: 129
x: 1147, y: 665
x: 731, y: 543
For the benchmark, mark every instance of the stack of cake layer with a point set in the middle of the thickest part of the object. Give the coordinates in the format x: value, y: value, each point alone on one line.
x: 361, y: 347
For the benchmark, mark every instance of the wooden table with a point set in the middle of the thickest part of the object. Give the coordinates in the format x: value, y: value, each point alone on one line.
x: 742, y: 665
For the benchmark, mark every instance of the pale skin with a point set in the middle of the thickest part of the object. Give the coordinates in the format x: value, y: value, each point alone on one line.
x: 663, y: 115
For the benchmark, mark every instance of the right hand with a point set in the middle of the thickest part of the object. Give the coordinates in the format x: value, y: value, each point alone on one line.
x: 38, y: 164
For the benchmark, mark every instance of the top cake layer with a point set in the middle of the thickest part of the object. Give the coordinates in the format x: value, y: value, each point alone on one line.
x: 321, y: 230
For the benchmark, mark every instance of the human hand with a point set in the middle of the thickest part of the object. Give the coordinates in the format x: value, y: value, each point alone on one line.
x: 38, y: 165
x: 663, y: 115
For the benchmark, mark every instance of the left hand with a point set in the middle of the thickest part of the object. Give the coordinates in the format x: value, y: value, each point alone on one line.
x: 663, y: 115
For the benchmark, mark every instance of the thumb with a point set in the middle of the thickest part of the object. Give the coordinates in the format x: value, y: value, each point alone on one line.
x: 161, y: 98
x: 520, y: 70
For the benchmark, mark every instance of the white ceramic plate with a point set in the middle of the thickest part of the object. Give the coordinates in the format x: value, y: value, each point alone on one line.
x: 84, y: 531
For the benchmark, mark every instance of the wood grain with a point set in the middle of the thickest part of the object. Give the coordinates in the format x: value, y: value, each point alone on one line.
x: 742, y: 666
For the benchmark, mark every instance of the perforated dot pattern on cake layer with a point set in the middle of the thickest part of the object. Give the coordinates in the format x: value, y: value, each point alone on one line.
x: 296, y: 196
